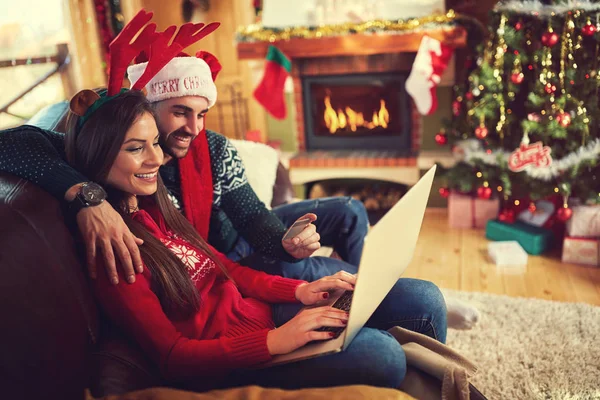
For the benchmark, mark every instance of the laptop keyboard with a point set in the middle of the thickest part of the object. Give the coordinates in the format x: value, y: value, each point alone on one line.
x: 343, y: 303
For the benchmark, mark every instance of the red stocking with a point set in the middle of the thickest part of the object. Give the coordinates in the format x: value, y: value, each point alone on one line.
x: 270, y: 92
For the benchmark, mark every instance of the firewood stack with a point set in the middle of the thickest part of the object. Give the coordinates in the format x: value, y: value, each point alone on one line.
x: 375, y: 196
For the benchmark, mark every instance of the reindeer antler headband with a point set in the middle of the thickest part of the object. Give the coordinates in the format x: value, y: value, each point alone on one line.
x: 136, y: 37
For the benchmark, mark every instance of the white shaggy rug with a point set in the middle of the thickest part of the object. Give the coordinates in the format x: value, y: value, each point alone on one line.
x: 531, y: 349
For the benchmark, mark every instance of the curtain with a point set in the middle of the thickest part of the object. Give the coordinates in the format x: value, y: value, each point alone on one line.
x: 85, y: 48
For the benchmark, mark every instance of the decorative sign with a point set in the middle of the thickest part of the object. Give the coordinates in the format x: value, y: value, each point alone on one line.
x: 526, y: 155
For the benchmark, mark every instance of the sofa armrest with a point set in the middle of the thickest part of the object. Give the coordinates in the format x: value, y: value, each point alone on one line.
x: 52, y: 117
x: 283, y: 191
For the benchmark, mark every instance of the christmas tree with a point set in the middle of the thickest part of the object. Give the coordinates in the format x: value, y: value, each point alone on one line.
x: 526, y: 121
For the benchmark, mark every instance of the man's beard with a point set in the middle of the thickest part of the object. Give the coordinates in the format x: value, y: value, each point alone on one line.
x: 169, y: 145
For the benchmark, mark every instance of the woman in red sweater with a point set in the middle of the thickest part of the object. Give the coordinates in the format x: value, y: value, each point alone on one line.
x: 198, y: 315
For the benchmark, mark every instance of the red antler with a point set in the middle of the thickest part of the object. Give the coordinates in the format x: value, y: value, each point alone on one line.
x: 160, y: 52
x: 123, y: 50
x: 191, y: 33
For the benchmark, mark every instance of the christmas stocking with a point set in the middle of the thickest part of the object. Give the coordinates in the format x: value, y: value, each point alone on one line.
x: 431, y: 61
x: 269, y: 92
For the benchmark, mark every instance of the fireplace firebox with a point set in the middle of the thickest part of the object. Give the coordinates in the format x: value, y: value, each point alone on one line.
x: 357, y: 111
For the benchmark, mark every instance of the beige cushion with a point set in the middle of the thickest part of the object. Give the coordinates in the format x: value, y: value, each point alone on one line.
x: 261, y: 163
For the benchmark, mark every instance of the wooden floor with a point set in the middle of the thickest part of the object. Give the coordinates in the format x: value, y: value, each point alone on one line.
x: 457, y: 259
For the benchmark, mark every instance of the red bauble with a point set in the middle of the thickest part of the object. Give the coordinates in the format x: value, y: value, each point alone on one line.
x: 441, y: 138
x: 507, y: 216
x: 484, y: 192
x: 564, y: 214
x: 481, y: 132
x: 517, y: 78
x: 518, y: 26
x: 444, y: 192
x: 456, y: 108
x: 564, y: 119
x: 550, y: 88
x: 532, y: 207
x: 549, y: 38
x: 469, y: 96
x: 588, y: 29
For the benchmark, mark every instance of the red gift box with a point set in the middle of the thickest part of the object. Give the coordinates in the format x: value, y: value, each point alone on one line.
x: 581, y: 251
x: 471, y: 212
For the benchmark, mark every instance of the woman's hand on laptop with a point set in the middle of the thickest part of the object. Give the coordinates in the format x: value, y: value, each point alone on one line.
x: 319, y: 290
x: 302, y: 329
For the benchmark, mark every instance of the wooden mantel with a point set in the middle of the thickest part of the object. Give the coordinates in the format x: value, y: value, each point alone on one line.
x: 352, y: 45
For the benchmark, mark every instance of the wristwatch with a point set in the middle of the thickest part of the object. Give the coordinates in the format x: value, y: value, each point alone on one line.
x: 90, y: 194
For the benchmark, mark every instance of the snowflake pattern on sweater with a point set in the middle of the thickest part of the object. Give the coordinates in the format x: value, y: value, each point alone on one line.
x: 198, y: 266
x: 228, y: 169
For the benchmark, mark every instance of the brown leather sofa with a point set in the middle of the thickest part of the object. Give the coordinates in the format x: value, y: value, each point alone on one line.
x: 52, y: 342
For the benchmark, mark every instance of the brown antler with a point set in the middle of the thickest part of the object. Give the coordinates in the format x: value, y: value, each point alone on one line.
x: 160, y: 52
x: 123, y: 50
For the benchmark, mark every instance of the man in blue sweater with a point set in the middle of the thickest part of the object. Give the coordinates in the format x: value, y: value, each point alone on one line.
x: 217, y: 199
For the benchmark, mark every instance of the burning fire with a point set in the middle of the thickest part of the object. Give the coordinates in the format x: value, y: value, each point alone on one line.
x: 350, y: 118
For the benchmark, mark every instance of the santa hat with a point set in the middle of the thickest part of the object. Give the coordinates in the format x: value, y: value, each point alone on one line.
x: 160, y: 50
x: 182, y: 76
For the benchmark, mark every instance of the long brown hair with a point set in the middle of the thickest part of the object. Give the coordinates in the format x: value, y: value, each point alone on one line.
x: 92, y: 150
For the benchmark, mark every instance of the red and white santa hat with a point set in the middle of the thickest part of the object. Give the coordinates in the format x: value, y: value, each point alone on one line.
x: 182, y: 76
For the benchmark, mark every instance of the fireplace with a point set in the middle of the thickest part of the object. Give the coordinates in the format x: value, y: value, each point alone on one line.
x: 358, y: 83
x: 357, y: 112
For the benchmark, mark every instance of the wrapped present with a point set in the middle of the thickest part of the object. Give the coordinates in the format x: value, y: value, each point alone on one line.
x: 471, y: 212
x: 581, y: 251
x: 585, y: 222
x: 533, y: 239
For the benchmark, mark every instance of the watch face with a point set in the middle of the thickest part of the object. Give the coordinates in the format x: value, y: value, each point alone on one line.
x: 93, y: 193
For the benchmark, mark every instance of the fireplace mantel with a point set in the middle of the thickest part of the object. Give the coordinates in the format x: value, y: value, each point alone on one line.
x: 353, y: 45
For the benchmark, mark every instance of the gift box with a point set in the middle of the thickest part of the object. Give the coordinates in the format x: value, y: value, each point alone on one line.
x: 509, y: 257
x: 581, y: 251
x: 533, y: 239
x: 585, y: 222
x: 471, y: 212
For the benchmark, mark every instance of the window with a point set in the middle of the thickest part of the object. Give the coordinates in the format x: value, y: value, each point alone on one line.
x: 30, y: 29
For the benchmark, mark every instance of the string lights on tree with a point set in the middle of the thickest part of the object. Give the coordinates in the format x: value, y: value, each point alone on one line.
x: 527, y: 117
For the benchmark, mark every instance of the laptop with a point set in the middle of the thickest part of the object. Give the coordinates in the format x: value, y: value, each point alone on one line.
x: 388, y: 250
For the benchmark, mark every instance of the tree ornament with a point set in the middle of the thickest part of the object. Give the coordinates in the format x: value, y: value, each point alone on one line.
x: 507, y: 215
x: 484, y: 192
x: 441, y: 138
x: 532, y: 207
x: 564, y: 213
x: 549, y: 38
x: 469, y: 95
x: 564, y: 119
x: 481, y: 132
x: 588, y: 29
x: 517, y: 72
x: 526, y: 155
x: 518, y: 25
x: 517, y: 78
x: 456, y: 108
x: 444, y: 192
x: 549, y: 88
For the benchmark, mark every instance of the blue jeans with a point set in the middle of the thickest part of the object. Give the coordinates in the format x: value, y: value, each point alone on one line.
x: 374, y: 357
x: 341, y: 222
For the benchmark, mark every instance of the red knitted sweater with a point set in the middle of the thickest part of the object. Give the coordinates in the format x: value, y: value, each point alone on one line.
x: 228, y: 332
